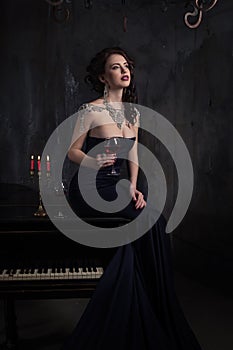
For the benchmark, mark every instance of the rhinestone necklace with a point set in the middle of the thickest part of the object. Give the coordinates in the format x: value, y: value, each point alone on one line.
x: 117, y: 114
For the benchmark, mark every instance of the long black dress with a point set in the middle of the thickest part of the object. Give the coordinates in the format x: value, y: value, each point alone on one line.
x: 134, y: 305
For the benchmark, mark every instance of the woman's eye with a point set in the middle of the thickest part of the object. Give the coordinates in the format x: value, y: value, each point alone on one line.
x: 115, y: 67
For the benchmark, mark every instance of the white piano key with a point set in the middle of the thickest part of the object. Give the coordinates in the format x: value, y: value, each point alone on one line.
x: 49, y: 272
x: 61, y: 274
x: 5, y: 274
x: 16, y: 275
x: 84, y: 273
x: 88, y: 273
x: 11, y: 274
x: 56, y: 274
x: 100, y: 272
x: 20, y: 275
x: 74, y: 274
x: 31, y: 275
x: 67, y: 273
x: 35, y: 273
x: 93, y: 273
x: 44, y: 274
x: 80, y: 275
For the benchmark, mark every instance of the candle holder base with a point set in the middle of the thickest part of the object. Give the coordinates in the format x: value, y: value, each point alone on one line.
x: 40, y: 212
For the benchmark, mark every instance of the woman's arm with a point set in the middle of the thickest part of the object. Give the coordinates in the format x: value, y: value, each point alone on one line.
x: 76, y: 154
x: 85, y: 122
x: 133, y: 169
x: 133, y: 161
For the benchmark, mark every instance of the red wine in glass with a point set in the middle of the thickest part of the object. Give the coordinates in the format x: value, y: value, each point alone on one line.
x: 111, y: 146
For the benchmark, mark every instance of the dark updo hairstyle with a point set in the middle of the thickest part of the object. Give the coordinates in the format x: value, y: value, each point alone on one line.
x: 97, y: 67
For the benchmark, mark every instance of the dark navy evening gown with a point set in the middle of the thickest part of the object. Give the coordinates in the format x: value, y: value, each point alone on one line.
x: 134, y: 306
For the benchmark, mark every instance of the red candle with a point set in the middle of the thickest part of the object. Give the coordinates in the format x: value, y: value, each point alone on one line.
x: 48, y: 164
x: 32, y: 163
x: 38, y: 163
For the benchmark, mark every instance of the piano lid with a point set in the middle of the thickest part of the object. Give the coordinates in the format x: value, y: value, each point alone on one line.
x: 17, y: 194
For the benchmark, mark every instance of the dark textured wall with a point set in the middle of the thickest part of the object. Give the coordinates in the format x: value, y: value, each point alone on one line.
x: 185, y: 74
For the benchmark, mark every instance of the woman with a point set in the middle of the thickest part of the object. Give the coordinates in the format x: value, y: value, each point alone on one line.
x: 134, y: 305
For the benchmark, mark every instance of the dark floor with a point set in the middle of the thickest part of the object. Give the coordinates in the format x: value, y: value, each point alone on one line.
x: 43, y: 324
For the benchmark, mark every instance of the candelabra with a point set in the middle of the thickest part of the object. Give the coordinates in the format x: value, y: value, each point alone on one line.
x: 57, y: 188
x: 40, y: 212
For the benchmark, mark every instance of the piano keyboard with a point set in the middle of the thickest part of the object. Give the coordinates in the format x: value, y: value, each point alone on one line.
x: 87, y: 273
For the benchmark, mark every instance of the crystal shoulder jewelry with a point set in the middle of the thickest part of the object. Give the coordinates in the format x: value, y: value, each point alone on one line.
x: 83, y: 110
x: 117, y: 114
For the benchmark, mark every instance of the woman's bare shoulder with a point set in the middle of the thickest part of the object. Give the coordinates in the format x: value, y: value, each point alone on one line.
x: 98, y: 101
x: 88, y: 106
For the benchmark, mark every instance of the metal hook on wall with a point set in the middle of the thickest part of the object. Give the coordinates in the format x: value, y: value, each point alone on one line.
x: 54, y: 3
x: 60, y: 13
x: 199, y: 7
x: 88, y: 4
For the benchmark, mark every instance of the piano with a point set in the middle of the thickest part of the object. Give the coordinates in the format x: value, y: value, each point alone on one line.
x: 38, y: 261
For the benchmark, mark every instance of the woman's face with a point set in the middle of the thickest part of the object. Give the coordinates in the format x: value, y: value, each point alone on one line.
x: 117, y: 73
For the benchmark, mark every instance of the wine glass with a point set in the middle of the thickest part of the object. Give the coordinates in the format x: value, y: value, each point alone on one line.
x: 111, y: 146
x: 60, y: 189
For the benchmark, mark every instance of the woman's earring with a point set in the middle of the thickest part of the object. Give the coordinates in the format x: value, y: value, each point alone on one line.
x: 105, y: 92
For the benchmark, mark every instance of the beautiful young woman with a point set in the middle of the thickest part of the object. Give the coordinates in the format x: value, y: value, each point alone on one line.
x: 134, y: 305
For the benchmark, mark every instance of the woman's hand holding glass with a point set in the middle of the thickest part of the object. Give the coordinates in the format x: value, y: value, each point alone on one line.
x: 105, y: 160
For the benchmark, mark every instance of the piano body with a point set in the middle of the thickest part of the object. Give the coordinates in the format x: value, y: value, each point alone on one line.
x: 38, y: 261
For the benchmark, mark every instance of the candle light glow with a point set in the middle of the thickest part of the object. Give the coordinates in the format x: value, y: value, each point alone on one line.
x: 38, y: 164
x: 32, y: 163
x: 48, y: 164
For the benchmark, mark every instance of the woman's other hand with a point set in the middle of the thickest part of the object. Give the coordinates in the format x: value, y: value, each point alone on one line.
x: 138, y: 197
x: 104, y: 160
